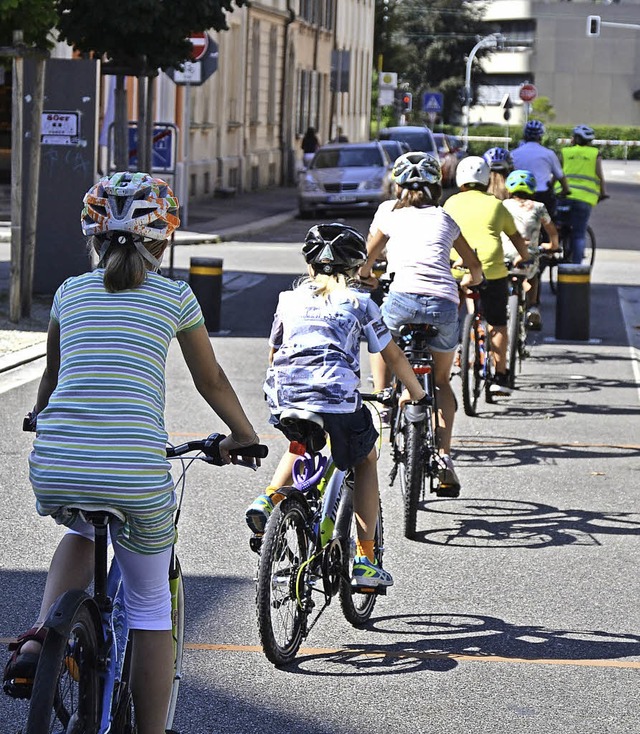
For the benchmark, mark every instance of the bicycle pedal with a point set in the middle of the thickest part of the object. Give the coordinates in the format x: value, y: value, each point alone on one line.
x: 18, y: 688
x: 255, y: 543
x: 450, y: 491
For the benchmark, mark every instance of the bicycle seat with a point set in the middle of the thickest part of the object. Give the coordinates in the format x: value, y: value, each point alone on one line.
x: 95, y: 514
x: 426, y: 329
x: 303, y: 426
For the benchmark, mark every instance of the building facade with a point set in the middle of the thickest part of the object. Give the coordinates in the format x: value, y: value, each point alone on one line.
x: 588, y: 79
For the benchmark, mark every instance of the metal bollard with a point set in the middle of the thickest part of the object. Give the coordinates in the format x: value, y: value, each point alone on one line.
x: 205, y: 279
x: 573, y: 302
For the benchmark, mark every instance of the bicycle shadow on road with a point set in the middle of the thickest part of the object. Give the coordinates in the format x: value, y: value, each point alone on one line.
x: 440, y: 642
x: 495, y: 523
x: 509, y: 451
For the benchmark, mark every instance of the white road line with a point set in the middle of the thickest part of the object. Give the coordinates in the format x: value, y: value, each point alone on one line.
x: 630, y: 307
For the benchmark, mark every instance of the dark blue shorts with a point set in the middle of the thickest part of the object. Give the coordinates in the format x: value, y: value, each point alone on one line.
x: 352, y: 436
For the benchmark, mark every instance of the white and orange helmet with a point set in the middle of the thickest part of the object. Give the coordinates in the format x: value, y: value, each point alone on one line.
x: 130, y: 202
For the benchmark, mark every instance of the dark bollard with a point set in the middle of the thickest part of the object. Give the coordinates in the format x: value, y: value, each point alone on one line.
x: 573, y: 302
x: 205, y: 279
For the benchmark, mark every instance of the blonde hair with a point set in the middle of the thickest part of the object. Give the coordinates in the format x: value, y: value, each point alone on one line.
x: 427, y: 196
x: 124, y: 267
x: 496, y: 185
x: 324, y: 285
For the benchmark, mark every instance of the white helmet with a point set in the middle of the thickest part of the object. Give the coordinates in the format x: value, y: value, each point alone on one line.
x: 416, y: 169
x: 473, y: 169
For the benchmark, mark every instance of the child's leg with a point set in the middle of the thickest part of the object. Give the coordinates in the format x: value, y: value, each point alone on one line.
x: 148, y: 603
x: 71, y: 568
x: 366, y: 502
x: 282, y: 475
x: 443, y: 362
x: 152, y: 678
x: 499, y: 341
x: 380, y: 372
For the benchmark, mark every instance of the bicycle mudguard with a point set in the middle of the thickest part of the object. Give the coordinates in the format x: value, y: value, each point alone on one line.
x: 415, y: 413
x: 63, y: 611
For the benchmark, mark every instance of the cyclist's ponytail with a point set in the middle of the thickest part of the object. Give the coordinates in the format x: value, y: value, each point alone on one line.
x: 125, y: 266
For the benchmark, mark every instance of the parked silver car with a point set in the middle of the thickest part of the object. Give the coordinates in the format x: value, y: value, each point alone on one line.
x: 345, y: 176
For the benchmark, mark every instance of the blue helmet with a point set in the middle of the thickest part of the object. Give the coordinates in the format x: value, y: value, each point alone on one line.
x: 521, y: 181
x: 499, y: 159
x: 533, y: 130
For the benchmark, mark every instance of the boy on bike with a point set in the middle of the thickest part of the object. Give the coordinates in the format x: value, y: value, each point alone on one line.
x: 482, y: 218
x: 314, y: 364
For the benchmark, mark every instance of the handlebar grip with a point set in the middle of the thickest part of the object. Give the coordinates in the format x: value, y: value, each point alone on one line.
x: 256, y: 450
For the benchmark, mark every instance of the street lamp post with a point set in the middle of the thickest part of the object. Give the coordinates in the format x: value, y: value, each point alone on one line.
x: 495, y: 40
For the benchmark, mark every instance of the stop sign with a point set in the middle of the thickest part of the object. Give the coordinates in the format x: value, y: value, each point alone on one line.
x: 528, y: 92
x: 200, y: 44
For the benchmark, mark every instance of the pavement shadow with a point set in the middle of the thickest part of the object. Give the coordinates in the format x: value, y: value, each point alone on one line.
x: 439, y: 642
x: 508, y: 451
x: 496, y: 523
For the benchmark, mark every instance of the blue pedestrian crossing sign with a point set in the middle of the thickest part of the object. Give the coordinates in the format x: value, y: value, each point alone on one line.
x: 432, y: 102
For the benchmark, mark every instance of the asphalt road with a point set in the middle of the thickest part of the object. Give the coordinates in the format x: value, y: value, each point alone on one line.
x: 515, y: 610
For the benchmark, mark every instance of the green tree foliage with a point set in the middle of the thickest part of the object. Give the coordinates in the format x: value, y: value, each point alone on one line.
x: 542, y: 109
x: 436, y: 36
x: 127, y: 31
x: 35, y: 18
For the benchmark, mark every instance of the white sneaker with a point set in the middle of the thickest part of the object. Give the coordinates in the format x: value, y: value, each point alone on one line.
x: 499, y: 386
x: 449, y: 484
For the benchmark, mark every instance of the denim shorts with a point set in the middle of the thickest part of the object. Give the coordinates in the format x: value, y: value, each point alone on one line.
x: 352, y: 435
x: 412, y: 308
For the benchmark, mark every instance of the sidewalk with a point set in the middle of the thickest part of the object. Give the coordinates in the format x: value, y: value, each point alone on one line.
x: 211, y: 221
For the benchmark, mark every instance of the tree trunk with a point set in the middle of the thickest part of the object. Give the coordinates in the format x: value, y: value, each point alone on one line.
x: 16, y: 186
x: 33, y: 183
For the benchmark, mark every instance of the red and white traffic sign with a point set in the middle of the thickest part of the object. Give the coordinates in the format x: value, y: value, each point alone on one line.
x: 528, y: 92
x: 200, y: 44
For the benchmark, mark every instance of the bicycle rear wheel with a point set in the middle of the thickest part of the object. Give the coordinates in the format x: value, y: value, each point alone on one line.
x: 356, y: 606
x: 412, y: 474
x: 470, y: 365
x: 66, y: 689
x: 281, y: 606
x: 590, y: 248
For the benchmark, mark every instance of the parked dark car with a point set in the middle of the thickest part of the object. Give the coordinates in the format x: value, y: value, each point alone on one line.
x: 345, y: 176
x: 415, y: 136
x: 394, y: 148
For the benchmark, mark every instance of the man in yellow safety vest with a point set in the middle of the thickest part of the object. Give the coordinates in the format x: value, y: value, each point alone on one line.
x: 582, y: 166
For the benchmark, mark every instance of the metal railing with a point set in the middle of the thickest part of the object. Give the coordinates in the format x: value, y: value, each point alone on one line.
x: 626, y: 144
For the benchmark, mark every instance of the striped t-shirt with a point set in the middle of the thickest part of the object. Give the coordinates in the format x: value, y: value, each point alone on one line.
x: 101, y: 439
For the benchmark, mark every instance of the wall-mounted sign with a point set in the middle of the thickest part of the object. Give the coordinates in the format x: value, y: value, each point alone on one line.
x: 60, y: 128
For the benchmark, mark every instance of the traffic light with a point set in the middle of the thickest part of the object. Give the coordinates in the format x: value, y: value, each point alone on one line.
x: 407, y: 101
x: 593, y: 25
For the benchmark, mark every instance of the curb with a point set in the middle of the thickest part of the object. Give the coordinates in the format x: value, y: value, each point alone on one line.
x: 22, y: 356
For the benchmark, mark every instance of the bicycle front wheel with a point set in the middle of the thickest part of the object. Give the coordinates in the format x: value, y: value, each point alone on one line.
x: 512, y: 338
x: 357, y: 606
x: 66, y: 688
x: 176, y: 585
x: 471, y: 366
x: 281, y: 603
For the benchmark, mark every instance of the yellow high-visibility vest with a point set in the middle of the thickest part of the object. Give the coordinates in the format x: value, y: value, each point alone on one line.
x: 579, y: 165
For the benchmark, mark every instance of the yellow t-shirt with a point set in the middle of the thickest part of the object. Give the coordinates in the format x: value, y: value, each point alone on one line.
x: 481, y: 218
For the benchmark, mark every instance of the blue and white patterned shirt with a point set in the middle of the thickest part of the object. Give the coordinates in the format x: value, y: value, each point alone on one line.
x: 317, y: 362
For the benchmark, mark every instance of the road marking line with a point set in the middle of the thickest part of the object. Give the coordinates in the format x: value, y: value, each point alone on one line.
x: 630, y: 307
x: 211, y: 647
x: 426, y: 655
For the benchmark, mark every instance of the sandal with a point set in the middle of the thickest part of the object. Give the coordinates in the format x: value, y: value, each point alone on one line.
x: 20, y: 671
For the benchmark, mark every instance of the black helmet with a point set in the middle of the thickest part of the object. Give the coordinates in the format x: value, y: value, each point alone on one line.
x: 332, y: 248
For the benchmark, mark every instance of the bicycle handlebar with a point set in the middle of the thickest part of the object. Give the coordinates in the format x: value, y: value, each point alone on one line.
x: 210, y: 447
